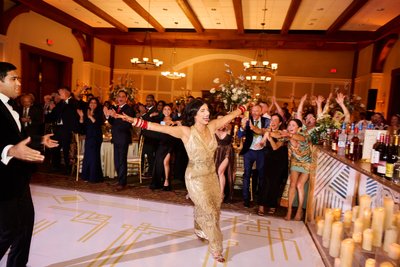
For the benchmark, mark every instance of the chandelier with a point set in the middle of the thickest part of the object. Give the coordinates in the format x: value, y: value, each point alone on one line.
x: 259, y: 69
x: 146, y: 62
x: 173, y: 75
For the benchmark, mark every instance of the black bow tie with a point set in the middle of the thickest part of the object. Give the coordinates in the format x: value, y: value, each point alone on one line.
x: 11, y: 102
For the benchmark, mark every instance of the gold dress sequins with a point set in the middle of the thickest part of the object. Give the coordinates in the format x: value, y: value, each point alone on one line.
x: 203, y: 188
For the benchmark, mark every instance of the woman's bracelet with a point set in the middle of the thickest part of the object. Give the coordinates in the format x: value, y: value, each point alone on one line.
x: 242, y: 109
x: 141, y: 124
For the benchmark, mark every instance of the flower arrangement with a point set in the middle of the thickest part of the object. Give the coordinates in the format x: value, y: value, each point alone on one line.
x: 234, y: 91
x: 353, y: 103
x: 320, y: 131
x: 125, y: 84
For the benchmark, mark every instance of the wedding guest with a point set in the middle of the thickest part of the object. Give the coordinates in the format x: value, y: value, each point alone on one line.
x: 31, y: 115
x: 300, y: 162
x: 201, y: 178
x: 92, y: 121
x: 276, y: 167
x: 16, y: 206
x: 378, y: 121
x: 251, y: 129
x: 394, y: 124
x: 121, y: 137
x: 224, y: 159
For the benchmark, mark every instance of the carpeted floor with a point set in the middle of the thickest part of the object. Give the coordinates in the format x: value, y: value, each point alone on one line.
x: 135, y: 190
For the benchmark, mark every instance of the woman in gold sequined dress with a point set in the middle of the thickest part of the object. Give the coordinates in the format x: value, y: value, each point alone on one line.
x: 198, y: 136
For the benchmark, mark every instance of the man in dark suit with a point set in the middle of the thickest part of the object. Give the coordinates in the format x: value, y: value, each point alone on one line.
x: 251, y: 129
x: 150, y: 143
x: 31, y: 115
x: 66, y: 121
x: 16, y: 207
x: 121, y: 137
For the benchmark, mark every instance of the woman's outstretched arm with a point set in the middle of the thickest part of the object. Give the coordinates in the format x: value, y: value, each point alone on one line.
x: 218, y: 123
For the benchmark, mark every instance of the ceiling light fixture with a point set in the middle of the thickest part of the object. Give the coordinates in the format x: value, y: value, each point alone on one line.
x: 173, y: 75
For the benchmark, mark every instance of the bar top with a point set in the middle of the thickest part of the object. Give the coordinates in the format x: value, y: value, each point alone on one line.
x: 362, y: 167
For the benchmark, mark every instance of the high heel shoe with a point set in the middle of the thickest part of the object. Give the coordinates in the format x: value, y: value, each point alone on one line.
x: 166, y: 188
x: 299, y: 215
x: 219, y: 257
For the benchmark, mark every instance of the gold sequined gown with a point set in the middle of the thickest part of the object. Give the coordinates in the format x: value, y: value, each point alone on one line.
x: 203, y: 188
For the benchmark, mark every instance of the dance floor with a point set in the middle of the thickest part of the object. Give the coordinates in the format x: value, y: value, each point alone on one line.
x: 75, y: 228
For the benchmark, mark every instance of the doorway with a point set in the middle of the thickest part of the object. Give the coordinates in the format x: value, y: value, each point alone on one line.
x: 43, y: 72
x: 394, y: 107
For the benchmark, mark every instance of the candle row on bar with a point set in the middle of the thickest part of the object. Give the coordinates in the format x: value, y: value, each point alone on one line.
x: 369, y: 228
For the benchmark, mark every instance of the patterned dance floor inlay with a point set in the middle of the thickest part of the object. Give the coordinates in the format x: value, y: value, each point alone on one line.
x: 83, y: 229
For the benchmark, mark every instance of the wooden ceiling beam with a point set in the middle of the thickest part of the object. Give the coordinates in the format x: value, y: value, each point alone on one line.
x: 57, y: 15
x: 145, y: 15
x: 352, y: 9
x: 9, y: 15
x: 291, y: 14
x: 189, y: 12
x: 391, y: 27
x: 101, y: 14
x: 238, y: 7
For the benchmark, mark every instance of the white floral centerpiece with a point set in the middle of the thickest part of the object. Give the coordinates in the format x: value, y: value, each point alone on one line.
x: 234, y: 91
x: 125, y: 84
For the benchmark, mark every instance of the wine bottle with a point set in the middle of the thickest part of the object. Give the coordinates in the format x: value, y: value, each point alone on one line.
x: 354, y: 146
x: 392, y: 157
x: 383, y: 154
x: 375, y: 153
x: 342, y: 141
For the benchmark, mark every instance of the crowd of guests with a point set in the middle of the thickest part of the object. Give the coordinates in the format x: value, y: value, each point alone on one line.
x: 276, y: 143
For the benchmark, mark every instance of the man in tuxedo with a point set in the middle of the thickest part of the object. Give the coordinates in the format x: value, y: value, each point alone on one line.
x: 150, y: 143
x: 121, y: 137
x: 66, y: 121
x: 251, y: 129
x: 16, y: 207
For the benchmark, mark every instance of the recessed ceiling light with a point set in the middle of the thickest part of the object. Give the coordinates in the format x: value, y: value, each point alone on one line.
x: 320, y: 9
x: 313, y: 19
x: 165, y: 9
x: 120, y: 9
x: 380, y: 9
x: 264, y: 9
x: 176, y: 22
x: 213, y: 9
x: 311, y: 23
x: 218, y: 23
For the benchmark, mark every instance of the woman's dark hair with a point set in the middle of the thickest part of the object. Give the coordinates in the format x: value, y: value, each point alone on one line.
x: 99, y: 107
x: 280, y: 119
x: 190, y: 111
x: 297, y: 121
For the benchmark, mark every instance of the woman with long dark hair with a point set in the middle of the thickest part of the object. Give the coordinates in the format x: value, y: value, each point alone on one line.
x: 201, y: 178
x: 276, y: 167
x: 92, y: 122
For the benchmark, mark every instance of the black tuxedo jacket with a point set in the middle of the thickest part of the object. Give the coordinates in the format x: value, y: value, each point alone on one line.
x: 67, y: 114
x: 35, y: 127
x: 121, y: 130
x: 15, y: 176
x: 249, y: 134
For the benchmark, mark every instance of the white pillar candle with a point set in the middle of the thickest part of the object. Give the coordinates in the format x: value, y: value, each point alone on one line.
x: 394, y: 251
x: 337, y: 213
x: 386, y: 264
x: 326, y: 235
x: 390, y: 237
x: 357, y: 237
x: 346, y: 252
x: 358, y: 226
x: 378, y: 219
x: 337, y: 262
x: 370, y: 262
x: 388, y: 205
x: 355, y: 211
x: 336, y: 238
x: 320, y: 227
x: 347, y: 218
x: 365, y: 202
x: 367, y: 239
x: 367, y: 218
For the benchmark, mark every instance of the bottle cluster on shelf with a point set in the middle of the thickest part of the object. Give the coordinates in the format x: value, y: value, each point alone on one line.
x: 362, y: 231
x: 384, y: 156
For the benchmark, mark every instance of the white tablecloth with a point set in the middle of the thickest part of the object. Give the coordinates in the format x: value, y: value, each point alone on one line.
x: 107, y: 157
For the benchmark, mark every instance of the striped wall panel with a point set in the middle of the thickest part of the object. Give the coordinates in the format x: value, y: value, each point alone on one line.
x: 377, y: 191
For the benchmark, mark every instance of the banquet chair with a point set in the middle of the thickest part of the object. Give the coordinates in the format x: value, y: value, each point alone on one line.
x: 78, y: 155
x: 135, y: 161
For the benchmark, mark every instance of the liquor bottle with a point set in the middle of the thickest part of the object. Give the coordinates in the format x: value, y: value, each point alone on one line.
x: 350, y: 135
x: 392, y: 157
x: 335, y: 137
x: 354, y: 146
x: 341, y: 149
x: 396, y: 169
x: 383, y: 155
x: 375, y: 153
x: 361, y: 137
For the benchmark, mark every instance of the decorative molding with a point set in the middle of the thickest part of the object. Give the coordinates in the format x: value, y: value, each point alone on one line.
x: 9, y: 15
x: 85, y: 41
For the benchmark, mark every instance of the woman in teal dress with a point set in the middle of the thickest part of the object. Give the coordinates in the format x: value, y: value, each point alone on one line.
x: 300, y: 163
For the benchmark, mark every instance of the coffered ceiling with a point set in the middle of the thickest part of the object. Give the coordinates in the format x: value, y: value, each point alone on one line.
x: 282, y: 24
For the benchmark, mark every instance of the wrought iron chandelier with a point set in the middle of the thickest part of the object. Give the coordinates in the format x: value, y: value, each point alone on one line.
x: 146, y: 62
x: 173, y: 75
